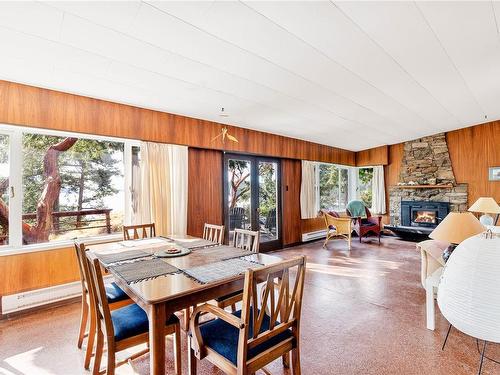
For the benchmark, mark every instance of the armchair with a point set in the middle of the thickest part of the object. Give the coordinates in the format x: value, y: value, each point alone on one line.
x: 245, y: 341
x: 365, y: 225
x: 337, y: 226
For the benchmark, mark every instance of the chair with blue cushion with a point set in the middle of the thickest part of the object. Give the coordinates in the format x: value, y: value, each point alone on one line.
x: 125, y: 327
x: 247, y: 340
x: 116, y: 298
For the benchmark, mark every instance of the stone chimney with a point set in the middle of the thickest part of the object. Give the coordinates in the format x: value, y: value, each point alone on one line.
x: 426, y: 161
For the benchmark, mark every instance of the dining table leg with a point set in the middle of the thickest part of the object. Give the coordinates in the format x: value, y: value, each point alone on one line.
x: 157, y: 319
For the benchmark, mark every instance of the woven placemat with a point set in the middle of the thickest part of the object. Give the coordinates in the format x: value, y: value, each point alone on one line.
x: 220, y: 270
x: 121, y: 256
x: 143, y: 270
x: 214, y: 254
x: 195, y: 244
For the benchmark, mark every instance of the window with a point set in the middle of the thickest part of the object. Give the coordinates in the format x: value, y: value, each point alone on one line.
x: 4, y: 188
x: 337, y: 185
x: 64, y: 186
x: 364, y: 186
x: 333, y: 185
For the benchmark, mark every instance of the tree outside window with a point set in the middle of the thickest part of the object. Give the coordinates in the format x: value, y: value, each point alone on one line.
x: 333, y: 187
x: 365, y: 179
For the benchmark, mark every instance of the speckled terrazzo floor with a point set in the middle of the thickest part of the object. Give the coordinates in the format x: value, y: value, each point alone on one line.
x: 363, y: 313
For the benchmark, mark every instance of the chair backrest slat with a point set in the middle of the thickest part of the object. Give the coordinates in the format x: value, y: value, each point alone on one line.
x: 146, y: 230
x: 101, y: 300
x: 246, y: 239
x: 214, y: 233
x: 95, y: 287
x: 80, y: 257
x: 275, y: 279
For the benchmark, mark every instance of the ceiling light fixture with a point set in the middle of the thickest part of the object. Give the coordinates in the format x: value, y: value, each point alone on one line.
x: 223, y: 113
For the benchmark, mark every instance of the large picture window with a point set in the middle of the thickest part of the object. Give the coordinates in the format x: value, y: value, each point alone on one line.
x: 64, y: 186
x: 333, y: 185
x: 336, y: 185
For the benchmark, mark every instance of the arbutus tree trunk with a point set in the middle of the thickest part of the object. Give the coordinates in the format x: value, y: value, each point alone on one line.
x: 41, y: 230
x: 236, y: 181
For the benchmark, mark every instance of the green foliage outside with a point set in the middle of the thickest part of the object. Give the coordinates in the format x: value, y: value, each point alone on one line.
x: 239, y: 183
x: 240, y: 186
x: 267, y: 188
x: 333, y: 187
x: 86, y: 171
x: 365, y: 177
x: 328, y: 186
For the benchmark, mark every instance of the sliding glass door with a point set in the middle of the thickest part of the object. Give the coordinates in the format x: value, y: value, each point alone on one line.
x: 252, y: 197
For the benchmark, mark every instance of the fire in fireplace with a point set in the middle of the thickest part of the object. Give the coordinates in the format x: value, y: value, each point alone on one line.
x: 423, y: 213
x: 428, y: 217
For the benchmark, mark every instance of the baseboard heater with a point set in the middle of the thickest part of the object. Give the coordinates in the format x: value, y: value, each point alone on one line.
x: 313, y: 235
x: 39, y: 297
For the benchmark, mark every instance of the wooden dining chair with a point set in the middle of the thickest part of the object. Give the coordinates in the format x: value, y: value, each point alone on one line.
x: 214, y: 233
x: 116, y: 298
x: 139, y: 231
x: 245, y: 341
x: 247, y: 240
x: 125, y: 327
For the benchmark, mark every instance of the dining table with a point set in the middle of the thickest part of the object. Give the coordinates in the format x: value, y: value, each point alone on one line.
x: 166, y: 294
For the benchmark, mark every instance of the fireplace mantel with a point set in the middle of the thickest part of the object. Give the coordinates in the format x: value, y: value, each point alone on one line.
x: 444, y: 186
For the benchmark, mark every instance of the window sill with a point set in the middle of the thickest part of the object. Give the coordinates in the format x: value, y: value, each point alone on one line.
x: 8, y: 250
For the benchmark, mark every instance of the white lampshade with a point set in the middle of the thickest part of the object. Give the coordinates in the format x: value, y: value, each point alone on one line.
x: 456, y: 227
x: 485, y: 204
x: 469, y: 291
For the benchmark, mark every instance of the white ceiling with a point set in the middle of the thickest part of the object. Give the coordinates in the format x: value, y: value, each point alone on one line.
x: 348, y: 74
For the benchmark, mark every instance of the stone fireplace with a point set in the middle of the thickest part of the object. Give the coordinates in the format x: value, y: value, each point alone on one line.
x: 426, y: 176
x: 423, y: 213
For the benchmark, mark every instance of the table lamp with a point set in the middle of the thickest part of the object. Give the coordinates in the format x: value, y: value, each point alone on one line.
x: 486, y: 205
x: 456, y: 227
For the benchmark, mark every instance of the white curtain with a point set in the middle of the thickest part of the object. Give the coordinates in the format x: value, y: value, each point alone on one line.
x: 164, y: 187
x: 308, y: 191
x: 378, y: 190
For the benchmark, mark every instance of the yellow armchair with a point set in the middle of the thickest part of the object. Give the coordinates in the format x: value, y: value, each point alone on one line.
x: 337, y: 227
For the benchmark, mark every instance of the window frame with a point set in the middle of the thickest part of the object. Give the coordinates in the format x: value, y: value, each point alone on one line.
x: 349, y: 182
x: 353, y: 191
x: 15, y: 133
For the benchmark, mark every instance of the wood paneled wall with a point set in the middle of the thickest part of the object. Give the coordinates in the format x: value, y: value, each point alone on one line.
x: 205, y: 200
x: 37, y: 107
x: 290, y: 182
x: 391, y: 173
x: 23, y: 272
x: 373, y: 156
x: 472, y: 151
